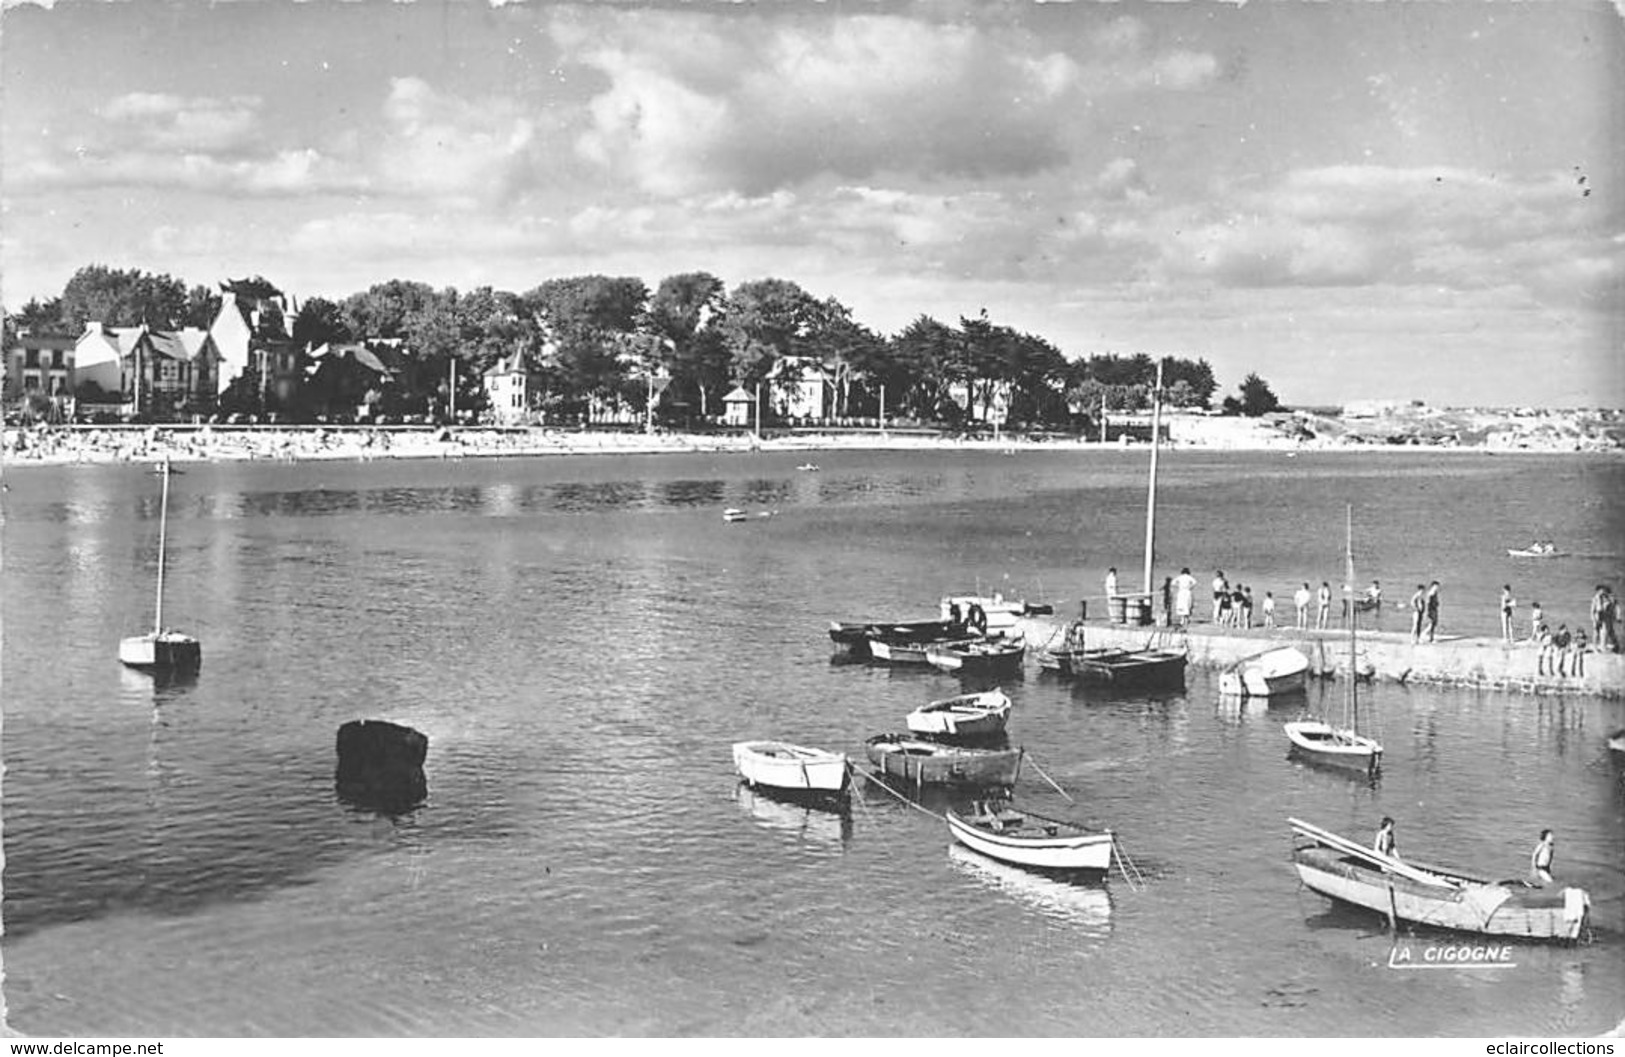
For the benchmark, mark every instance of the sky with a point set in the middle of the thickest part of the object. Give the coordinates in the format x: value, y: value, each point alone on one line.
x: 1355, y: 200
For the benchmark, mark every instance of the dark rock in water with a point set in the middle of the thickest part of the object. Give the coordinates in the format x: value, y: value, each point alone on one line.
x: 381, y: 765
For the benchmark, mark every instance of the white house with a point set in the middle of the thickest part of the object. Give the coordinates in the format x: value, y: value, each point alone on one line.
x: 253, y: 326
x: 511, y: 387
x: 737, y: 407
x: 801, y: 388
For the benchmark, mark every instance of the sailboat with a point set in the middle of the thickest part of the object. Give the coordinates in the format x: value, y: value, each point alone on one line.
x: 161, y: 650
x: 1344, y: 746
x: 1141, y: 669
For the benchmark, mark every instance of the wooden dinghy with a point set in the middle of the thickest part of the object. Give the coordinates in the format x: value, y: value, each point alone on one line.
x: 977, y: 656
x: 921, y: 762
x: 980, y: 715
x: 856, y: 636
x: 1131, y: 669
x: 899, y: 651
x: 1270, y: 674
x: 791, y: 768
x: 1349, y: 872
x: 1022, y: 838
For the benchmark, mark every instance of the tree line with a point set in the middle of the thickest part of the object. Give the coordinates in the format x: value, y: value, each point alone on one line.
x: 604, y: 339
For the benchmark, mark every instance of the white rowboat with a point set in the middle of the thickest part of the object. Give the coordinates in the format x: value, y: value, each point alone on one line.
x: 1270, y: 674
x: 795, y: 768
x: 1025, y: 839
x: 966, y: 716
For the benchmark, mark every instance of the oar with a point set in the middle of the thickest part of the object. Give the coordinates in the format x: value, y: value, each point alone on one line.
x: 1050, y: 780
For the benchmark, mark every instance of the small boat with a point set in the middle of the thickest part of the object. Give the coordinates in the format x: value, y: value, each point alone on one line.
x: 1544, y: 549
x: 980, y: 715
x: 161, y: 651
x: 856, y: 636
x: 808, y: 467
x: 792, y: 768
x: 1270, y: 674
x: 1150, y: 668
x: 977, y: 656
x: 1616, y: 743
x: 1342, y: 746
x: 1132, y: 669
x: 991, y: 614
x: 1349, y: 872
x: 1023, y: 838
x: 735, y: 514
x: 921, y: 762
x: 894, y: 651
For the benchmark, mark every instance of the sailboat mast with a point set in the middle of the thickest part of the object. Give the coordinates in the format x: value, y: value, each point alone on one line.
x: 1151, y: 492
x: 1353, y: 696
x: 163, y: 530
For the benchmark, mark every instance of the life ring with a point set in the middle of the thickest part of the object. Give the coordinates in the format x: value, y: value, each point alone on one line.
x: 977, y: 618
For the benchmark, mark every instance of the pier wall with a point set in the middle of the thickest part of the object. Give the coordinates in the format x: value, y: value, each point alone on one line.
x: 1486, y: 664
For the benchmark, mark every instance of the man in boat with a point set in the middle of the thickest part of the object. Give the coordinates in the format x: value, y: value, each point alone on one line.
x: 1540, y: 861
x: 1384, y: 844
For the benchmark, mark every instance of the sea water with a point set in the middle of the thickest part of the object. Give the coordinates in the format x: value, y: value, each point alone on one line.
x: 582, y: 638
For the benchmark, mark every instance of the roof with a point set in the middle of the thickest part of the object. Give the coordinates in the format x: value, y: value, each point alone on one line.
x: 510, y: 364
x: 45, y: 341
x: 737, y: 395
x: 168, y: 344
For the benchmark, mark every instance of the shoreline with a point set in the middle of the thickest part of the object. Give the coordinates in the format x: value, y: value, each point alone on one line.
x: 91, y: 446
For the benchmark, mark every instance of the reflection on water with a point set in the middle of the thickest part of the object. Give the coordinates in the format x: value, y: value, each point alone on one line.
x: 1077, y: 904
x: 821, y: 824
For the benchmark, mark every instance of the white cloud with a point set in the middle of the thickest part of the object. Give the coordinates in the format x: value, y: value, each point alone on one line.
x: 157, y: 121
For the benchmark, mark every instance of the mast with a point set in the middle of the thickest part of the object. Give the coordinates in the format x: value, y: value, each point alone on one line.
x: 1151, y: 492
x: 163, y: 529
x: 1352, y: 699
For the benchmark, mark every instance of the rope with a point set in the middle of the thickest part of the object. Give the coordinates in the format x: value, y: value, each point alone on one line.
x: 1050, y: 780
x: 1131, y: 873
x: 878, y: 780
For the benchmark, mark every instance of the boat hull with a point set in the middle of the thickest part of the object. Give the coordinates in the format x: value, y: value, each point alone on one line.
x: 918, y: 762
x: 168, y: 651
x: 1485, y: 909
x: 1273, y: 674
x: 967, y: 716
x: 792, y: 768
x: 976, y: 658
x: 1035, y: 843
x: 1134, y: 669
x: 856, y: 636
x: 1323, y: 743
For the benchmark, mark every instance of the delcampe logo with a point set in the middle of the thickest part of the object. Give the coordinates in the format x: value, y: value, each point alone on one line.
x: 1446, y: 955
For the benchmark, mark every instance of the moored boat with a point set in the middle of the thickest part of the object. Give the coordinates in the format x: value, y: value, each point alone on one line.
x: 1347, y: 871
x: 1145, y: 669
x: 980, y: 715
x: 905, y: 651
x: 856, y: 635
x: 1270, y: 674
x: 791, y: 768
x: 992, y: 615
x: 921, y: 762
x: 161, y: 651
x: 977, y: 656
x: 1020, y: 837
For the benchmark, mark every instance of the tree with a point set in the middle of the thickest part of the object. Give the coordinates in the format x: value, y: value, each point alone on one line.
x: 1255, y: 397
x: 587, y: 317
x: 319, y: 322
x: 118, y: 298
x: 685, y: 310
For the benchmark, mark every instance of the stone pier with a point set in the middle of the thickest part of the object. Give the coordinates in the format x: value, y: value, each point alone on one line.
x: 1487, y: 664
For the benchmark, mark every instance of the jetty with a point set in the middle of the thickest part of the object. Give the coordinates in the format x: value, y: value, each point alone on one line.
x: 1463, y: 661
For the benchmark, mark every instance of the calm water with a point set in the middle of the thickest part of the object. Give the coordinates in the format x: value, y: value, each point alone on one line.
x: 582, y: 639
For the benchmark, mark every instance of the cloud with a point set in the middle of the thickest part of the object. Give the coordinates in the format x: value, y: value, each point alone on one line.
x: 156, y: 121
x: 692, y: 104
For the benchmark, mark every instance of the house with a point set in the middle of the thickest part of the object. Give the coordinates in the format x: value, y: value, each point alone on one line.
x: 991, y: 403
x: 339, y: 378
x: 801, y: 388
x: 737, y: 407
x: 39, y: 363
x: 253, y: 331
x: 512, y: 389
x: 158, y: 374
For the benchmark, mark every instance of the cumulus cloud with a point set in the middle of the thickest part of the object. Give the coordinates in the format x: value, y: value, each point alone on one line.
x: 159, y: 121
x: 439, y: 145
x: 691, y: 104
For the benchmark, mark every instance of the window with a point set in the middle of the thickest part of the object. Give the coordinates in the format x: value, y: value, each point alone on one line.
x: 31, y: 358
x: 31, y: 383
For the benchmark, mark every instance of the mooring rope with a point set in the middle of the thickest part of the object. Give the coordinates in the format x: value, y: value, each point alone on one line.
x: 877, y: 779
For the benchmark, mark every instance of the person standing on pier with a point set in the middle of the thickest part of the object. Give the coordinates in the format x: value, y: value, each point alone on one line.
x: 1419, y: 605
x: 1245, y: 602
x: 1300, y: 598
x: 1508, y: 604
x: 1269, y: 610
x: 1602, y: 619
x: 1373, y: 602
x: 1167, y: 601
x: 1225, y: 601
x: 1431, y: 624
x: 1537, y: 621
x: 1221, y: 593
x: 1184, y: 596
x: 1323, y: 600
x: 1540, y: 860
x: 1111, y: 586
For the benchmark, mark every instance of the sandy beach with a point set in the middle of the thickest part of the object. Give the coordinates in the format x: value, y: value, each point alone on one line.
x: 1444, y: 431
